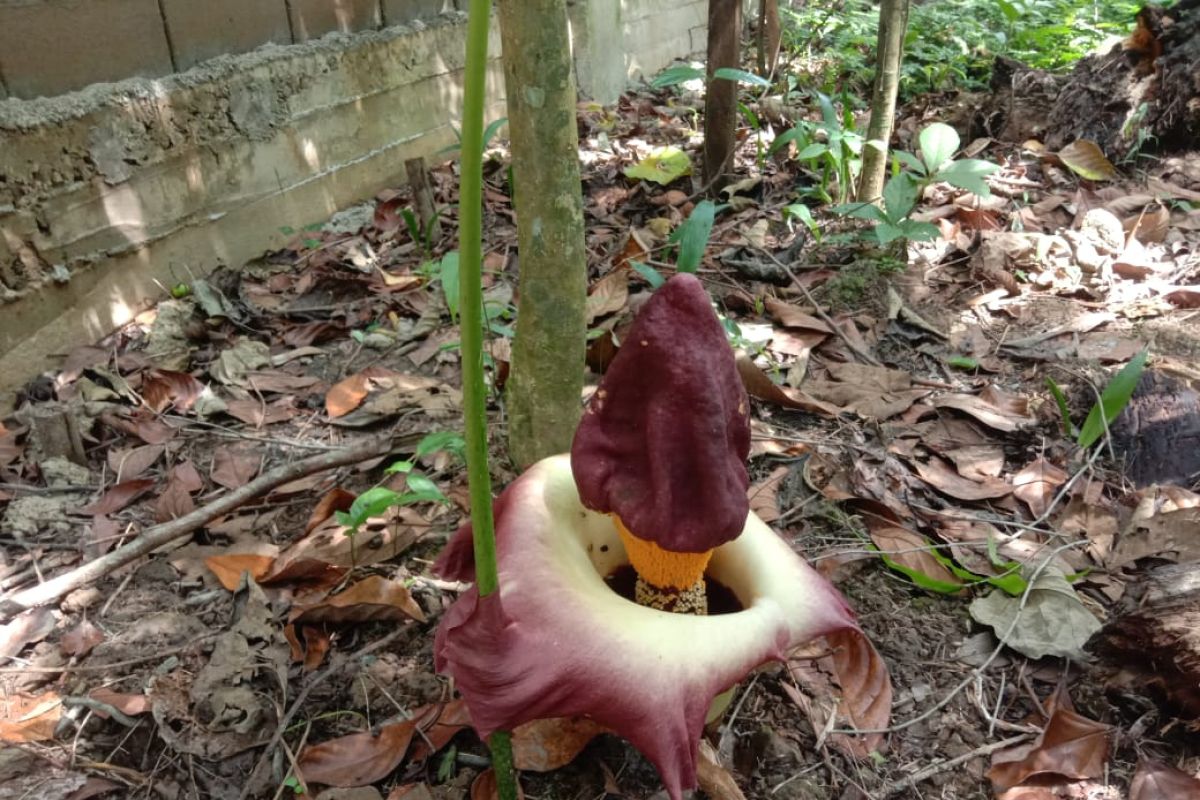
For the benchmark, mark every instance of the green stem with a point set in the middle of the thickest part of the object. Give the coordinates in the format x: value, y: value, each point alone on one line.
x: 470, y: 233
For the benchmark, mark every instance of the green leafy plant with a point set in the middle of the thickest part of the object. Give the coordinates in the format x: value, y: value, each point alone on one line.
x: 831, y: 148
x: 934, y: 163
x: 673, y: 76
x: 692, y: 235
x: 1112, y: 402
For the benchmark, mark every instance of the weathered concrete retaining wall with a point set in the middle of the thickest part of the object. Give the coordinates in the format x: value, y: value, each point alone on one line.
x: 48, y: 47
x: 110, y: 193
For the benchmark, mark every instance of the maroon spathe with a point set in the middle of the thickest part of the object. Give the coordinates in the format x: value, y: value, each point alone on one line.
x: 664, y: 440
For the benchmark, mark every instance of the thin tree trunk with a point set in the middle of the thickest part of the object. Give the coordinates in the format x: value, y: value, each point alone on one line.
x: 769, y: 36
x: 546, y: 381
x: 720, y: 103
x: 893, y: 21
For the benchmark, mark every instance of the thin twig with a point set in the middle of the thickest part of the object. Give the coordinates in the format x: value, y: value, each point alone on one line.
x: 858, y: 351
x: 924, y: 774
x: 337, y: 665
x: 159, y: 535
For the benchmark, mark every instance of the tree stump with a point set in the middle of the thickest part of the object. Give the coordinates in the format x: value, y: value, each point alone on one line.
x: 1154, y: 641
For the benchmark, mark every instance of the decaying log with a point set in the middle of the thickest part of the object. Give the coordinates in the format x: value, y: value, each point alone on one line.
x: 1154, y: 640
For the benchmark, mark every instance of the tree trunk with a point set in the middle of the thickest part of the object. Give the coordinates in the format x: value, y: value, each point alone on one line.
x: 1155, y: 641
x: 769, y: 37
x: 893, y: 21
x: 720, y: 100
x: 546, y: 380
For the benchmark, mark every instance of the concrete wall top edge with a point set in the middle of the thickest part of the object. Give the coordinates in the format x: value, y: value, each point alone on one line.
x: 20, y: 114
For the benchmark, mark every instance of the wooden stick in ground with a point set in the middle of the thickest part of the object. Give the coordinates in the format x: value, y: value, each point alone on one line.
x: 418, y: 180
x: 159, y: 535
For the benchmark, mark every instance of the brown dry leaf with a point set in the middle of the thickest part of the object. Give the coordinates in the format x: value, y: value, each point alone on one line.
x: 337, y: 499
x: 977, y: 462
x: 374, y: 599
x: 870, y: 392
x: 29, y: 718
x: 440, y: 723
x: 126, y: 703
x: 608, y: 295
x: 484, y: 787
x: 80, y: 640
x: 94, y: 787
x: 411, y: 791
x: 938, y: 474
x: 789, y: 316
x: 1071, y: 746
x: 119, y: 497
x: 993, y: 407
x: 910, y: 550
x: 842, y: 673
x: 186, y: 475
x: 162, y: 388
x: 309, y: 645
x: 714, y: 780
x: 346, y: 395
x: 379, y: 539
x: 234, y: 467
x: 1155, y: 780
x: 764, y: 495
x: 229, y: 568
x: 759, y: 385
x: 28, y: 627
x: 359, y: 759
x: 278, y: 382
x: 258, y: 414
x: 1086, y: 159
x: 1171, y: 534
x: 142, y: 424
x: 548, y: 744
x: 1036, y: 484
x: 131, y: 462
x: 174, y: 502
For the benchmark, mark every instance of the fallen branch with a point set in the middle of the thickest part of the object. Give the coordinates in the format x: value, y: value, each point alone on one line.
x: 904, y: 784
x: 159, y: 535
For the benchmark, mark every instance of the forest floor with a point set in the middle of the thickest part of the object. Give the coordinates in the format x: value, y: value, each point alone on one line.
x: 905, y: 441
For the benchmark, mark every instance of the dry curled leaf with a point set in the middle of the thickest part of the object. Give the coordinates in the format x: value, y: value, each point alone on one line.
x: 29, y: 718
x: 1087, y: 160
x: 940, y: 476
x: 162, y: 388
x: 608, y: 295
x: 119, y: 497
x: 714, y: 780
x: 373, y: 599
x: 1070, y: 746
x: 759, y: 385
x: 1155, y: 780
x: 234, y: 467
x: 843, y: 674
x: 80, y: 640
x: 229, y: 567
x: 358, y: 759
x: 764, y: 495
x: 132, y: 462
x: 548, y: 744
x: 994, y: 408
x: 1037, y: 483
x: 127, y: 703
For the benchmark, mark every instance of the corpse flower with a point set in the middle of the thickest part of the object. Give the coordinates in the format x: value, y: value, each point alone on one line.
x: 656, y: 479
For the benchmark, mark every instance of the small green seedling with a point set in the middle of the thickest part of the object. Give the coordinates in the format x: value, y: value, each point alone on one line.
x: 1113, y: 399
x: 692, y: 236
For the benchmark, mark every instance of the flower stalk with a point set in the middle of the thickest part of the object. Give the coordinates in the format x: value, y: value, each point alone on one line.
x: 470, y: 248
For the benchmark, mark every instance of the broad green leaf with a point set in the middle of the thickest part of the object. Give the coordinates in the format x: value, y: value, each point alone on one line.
x: 1113, y: 400
x: 939, y: 143
x: 1010, y: 581
x: 910, y: 161
x: 1061, y: 399
x: 652, y: 276
x: 410, y: 221
x: 798, y: 134
x: 804, y: 214
x: 450, y: 441
x: 920, y: 578
x: 968, y: 174
x: 899, y: 196
x: 962, y: 362
x: 829, y: 115
x: 693, y: 235
x: 449, y: 273
x: 399, y: 467
x: 491, y: 130
x: 741, y: 76
x: 663, y: 165
x: 420, y: 486
x: 673, y: 76
x: 811, y: 151
x: 1087, y: 160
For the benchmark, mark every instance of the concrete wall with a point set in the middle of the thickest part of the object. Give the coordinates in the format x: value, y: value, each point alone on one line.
x: 48, y: 47
x: 109, y: 193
